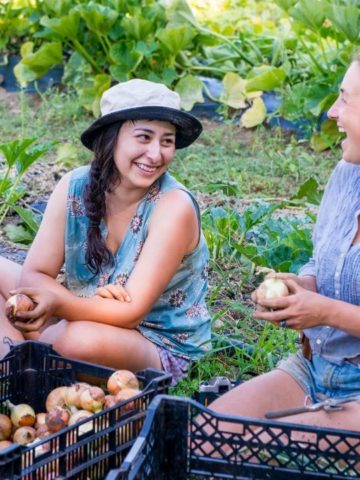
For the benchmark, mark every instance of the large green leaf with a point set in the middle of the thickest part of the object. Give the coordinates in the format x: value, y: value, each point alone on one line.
x: 136, y: 26
x: 327, y: 137
x: 18, y: 234
x: 98, y: 18
x: 190, y: 90
x: 65, y: 27
x: 285, y: 4
x: 176, y: 39
x: 265, y: 77
x: 39, y: 62
x: 234, y: 94
x: 126, y: 59
x: 15, y: 149
x: 310, y: 13
x: 309, y: 191
x: 254, y: 115
x: 347, y: 20
x: 89, y: 96
x: 179, y: 11
x: 28, y: 217
x: 27, y: 158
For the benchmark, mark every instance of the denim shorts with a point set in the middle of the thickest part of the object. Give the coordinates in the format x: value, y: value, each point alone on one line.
x: 320, y: 378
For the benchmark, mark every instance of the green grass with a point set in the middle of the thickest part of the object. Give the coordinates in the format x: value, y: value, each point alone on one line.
x: 257, y: 164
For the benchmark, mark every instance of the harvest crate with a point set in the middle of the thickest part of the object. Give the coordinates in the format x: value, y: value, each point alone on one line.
x: 174, y: 444
x: 87, y: 450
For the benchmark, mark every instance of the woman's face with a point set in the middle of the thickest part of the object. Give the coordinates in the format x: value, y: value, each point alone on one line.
x: 143, y: 151
x: 346, y: 112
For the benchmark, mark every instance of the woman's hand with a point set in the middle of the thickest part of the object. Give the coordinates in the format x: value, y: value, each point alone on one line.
x: 301, y: 309
x: 113, y: 291
x: 45, y: 301
x: 308, y: 282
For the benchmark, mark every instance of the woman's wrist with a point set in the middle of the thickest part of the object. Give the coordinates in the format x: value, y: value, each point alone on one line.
x: 308, y: 282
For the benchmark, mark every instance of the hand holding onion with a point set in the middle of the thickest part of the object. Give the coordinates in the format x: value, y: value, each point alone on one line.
x: 270, y: 288
x: 18, y: 303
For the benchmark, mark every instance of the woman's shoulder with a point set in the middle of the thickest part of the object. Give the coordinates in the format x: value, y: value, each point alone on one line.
x: 79, y: 173
x: 168, y: 182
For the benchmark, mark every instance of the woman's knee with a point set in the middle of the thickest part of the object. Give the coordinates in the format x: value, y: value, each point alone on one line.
x: 64, y: 338
x: 10, y: 276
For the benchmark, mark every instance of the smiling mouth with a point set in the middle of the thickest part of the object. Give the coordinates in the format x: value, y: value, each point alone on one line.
x: 146, y: 168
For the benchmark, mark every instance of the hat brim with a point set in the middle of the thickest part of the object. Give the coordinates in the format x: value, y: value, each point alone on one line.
x: 187, y: 131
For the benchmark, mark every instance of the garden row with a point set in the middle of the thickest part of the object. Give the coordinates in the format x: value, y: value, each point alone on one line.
x: 297, y: 48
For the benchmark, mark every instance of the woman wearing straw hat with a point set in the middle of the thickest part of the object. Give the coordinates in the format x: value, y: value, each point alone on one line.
x: 129, y: 237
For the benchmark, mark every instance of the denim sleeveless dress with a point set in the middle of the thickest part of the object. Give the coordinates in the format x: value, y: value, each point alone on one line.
x: 179, y: 320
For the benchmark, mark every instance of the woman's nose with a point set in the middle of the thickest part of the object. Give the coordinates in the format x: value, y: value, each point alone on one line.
x: 333, y: 111
x: 154, y: 150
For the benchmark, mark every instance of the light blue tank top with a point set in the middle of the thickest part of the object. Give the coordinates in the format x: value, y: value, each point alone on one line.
x: 179, y: 320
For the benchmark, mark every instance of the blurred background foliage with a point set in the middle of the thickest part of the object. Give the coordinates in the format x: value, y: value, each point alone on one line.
x: 231, y: 52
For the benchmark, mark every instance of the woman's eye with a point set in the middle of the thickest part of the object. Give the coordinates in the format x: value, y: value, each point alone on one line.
x: 143, y: 136
x: 168, y: 141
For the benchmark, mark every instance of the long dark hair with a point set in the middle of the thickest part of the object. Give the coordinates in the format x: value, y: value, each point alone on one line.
x: 103, y: 176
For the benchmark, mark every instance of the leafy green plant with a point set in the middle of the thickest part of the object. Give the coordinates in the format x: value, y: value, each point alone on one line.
x: 18, y: 156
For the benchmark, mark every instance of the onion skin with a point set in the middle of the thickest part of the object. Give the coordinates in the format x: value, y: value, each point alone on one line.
x: 56, y: 398
x: 5, y: 444
x: 24, y: 435
x: 110, y: 401
x: 121, y: 379
x: 18, y: 303
x: 272, y: 288
x: 22, y: 415
x: 78, y: 417
x: 40, y: 419
x: 124, y: 395
x: 92, y: 399
x: 5, y: 427
x: 57, y: 419
x: 73, y: 394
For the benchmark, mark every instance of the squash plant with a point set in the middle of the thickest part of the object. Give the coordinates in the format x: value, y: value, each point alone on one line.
x: 18, y: 157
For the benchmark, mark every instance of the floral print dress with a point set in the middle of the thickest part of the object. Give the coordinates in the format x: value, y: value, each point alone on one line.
x: 179, y: 320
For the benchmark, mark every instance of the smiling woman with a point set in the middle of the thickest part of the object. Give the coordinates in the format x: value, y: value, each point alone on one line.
x: 129, y: 236
x: 324, y: 302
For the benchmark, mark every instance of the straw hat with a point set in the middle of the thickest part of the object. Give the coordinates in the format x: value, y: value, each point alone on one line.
x: 141, y: 99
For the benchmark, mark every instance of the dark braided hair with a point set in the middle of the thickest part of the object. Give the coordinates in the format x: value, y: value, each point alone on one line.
x: 103, y: 176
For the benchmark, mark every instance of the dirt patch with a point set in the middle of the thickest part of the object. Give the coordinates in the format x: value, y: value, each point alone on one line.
x: 12, y: 100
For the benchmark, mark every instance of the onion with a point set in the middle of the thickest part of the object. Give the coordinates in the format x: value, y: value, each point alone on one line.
x: 57, y: 419
x: 24, y: 435
x: 78, y: 417
x: 56, y: 398
x: 18, y: 303
x: 5, y: 444
x: 124, y: 395
x: 110, y: 401
x: 272, y: 288
x: 40, y: 449
x: 121, y: 379
x: 40, y: 419
x: 5, y: 427
x: 42, y: 431
x: 22, y: 415
x: 92, y: 399
x: 73, y: 393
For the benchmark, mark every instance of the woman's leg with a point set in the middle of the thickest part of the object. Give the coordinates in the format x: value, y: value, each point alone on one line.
x: 9, y: 276
x: 271, y: 391
x: 93, y: 342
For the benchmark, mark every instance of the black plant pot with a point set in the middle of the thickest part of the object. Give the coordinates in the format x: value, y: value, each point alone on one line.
x: 53, y: 77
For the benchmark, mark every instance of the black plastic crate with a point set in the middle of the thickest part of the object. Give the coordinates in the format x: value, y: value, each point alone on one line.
x: 173, y: 444
x: 87, y: 450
